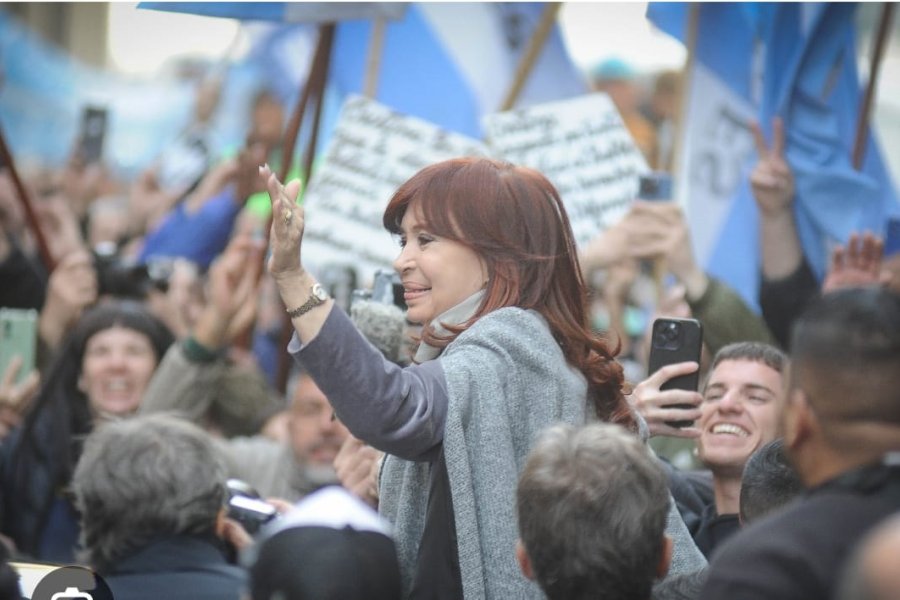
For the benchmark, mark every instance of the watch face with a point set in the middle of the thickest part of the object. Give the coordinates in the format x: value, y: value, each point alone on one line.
x: 319, y: 292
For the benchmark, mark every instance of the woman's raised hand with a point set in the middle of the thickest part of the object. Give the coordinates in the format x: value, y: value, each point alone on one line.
x: 286, y: 233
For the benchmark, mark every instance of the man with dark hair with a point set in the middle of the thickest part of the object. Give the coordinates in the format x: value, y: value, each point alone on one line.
x: 769, y: 482
x: 592, y: 506
x: 151, y: 493
x: 740, y: 412
x: 842, y: 434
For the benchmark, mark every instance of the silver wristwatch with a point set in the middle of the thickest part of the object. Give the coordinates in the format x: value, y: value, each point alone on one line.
x: 318, y: 296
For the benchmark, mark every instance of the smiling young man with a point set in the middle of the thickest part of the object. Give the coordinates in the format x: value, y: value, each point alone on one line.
x: 740, y: 412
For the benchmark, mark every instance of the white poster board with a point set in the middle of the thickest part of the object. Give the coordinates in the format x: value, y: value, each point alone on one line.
x: 372, y: 152
x: 583, y: 148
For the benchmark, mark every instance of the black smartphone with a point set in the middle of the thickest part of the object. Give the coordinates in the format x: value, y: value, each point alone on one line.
x: 675, y: 341
x: 93, y: 133
x: 655, y: 186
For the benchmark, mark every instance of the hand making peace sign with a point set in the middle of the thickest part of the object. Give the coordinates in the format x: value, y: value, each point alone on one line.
x: 772, y: 180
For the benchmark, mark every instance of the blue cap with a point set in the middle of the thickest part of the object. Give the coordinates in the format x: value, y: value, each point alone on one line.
x: 612, y: 69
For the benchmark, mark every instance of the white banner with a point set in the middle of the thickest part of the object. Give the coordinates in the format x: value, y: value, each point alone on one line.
x: 373, y: 150
x: 583, y: 147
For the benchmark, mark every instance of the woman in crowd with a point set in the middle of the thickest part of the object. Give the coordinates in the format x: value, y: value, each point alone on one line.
x: 100, y: 372
x: 489, y: 268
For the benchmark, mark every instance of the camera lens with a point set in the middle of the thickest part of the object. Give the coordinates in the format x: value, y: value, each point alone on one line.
x: 670, y: 331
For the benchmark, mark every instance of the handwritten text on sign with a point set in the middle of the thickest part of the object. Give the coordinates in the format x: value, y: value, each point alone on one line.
x: 372, y: 152
x: 582, y: 146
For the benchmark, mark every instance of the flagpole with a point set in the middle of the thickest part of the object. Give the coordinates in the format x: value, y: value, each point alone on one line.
x: 659, y: 264
x: 878, y: 45
x: 684, y: 97
x: 373, y: 66
x: 532, y: 52
x: 6, y: 158
x: 315, y: 86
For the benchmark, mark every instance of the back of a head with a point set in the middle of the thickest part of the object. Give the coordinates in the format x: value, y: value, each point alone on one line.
x: 846, y: 356
x: 769, y: 482
x: 331, y: 546
x: 871, y: 571
x: 592, y: 506
x: 144, y: 478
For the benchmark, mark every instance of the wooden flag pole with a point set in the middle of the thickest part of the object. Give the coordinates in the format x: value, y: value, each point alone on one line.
x: 30, y: 216
x: 862, y: 122
x: 532, y: 52
x: 316, y: 82
x: 693, y: 24
x: 373, y: 64
x: 323, y: 45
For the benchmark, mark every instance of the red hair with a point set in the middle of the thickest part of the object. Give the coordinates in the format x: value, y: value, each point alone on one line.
x: 513, y: 218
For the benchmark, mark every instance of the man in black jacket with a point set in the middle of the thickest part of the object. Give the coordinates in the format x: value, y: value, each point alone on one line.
x: 842, y: 433
x: 151, y: 492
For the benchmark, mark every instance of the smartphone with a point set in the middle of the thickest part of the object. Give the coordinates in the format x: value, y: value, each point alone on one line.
x: 18, y: 337
x: 892, y: 237
x: 655, y: 186
x: 183, y: 164
x: 93, y: 132
x: 675, y: 341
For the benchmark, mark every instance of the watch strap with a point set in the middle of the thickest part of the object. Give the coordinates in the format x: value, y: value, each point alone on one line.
x: 313, y: 301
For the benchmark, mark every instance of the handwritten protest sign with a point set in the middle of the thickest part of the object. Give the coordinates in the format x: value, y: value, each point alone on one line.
x: 372, y: 152
x: 583, y: 147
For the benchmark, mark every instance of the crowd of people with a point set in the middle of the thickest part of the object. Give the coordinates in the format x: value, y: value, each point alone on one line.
x: 479, y: 439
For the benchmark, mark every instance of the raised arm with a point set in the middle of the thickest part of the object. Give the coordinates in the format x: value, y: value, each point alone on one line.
x: 185, y: 379
x: 401, y: 411
x: 296, y: 285
x: 772, y: 182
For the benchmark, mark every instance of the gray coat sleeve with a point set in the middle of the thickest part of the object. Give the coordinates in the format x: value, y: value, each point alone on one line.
x: 182, y: 386
x: 401, y: 411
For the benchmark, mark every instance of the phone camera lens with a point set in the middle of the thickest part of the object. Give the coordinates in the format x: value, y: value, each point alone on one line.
x: 670, y: 331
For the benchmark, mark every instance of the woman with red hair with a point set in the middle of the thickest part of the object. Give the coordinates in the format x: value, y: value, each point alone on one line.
x: 490, y: 270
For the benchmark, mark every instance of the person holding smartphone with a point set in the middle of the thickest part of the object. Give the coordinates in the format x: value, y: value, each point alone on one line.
x: 488, y: 265
x: 738, y: 410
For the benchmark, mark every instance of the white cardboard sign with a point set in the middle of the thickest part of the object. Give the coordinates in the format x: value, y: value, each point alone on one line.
x: 582, y: 146
x: 372, y: 152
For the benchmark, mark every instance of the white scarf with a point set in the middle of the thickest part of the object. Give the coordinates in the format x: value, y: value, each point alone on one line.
x: 460, y: 313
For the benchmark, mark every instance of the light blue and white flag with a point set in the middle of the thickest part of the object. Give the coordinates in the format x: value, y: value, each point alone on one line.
x: 755, y: 61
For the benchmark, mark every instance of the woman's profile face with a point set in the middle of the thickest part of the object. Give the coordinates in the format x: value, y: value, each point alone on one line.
x: 437, y: 273
x: 117, y: 366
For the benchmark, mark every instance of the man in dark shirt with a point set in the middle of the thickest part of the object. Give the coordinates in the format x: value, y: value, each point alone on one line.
x: 842, y: 433
x: 741, y: 410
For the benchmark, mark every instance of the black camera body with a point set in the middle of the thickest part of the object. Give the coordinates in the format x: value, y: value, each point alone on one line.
x: 247, y: 508
x: 126, y: 279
